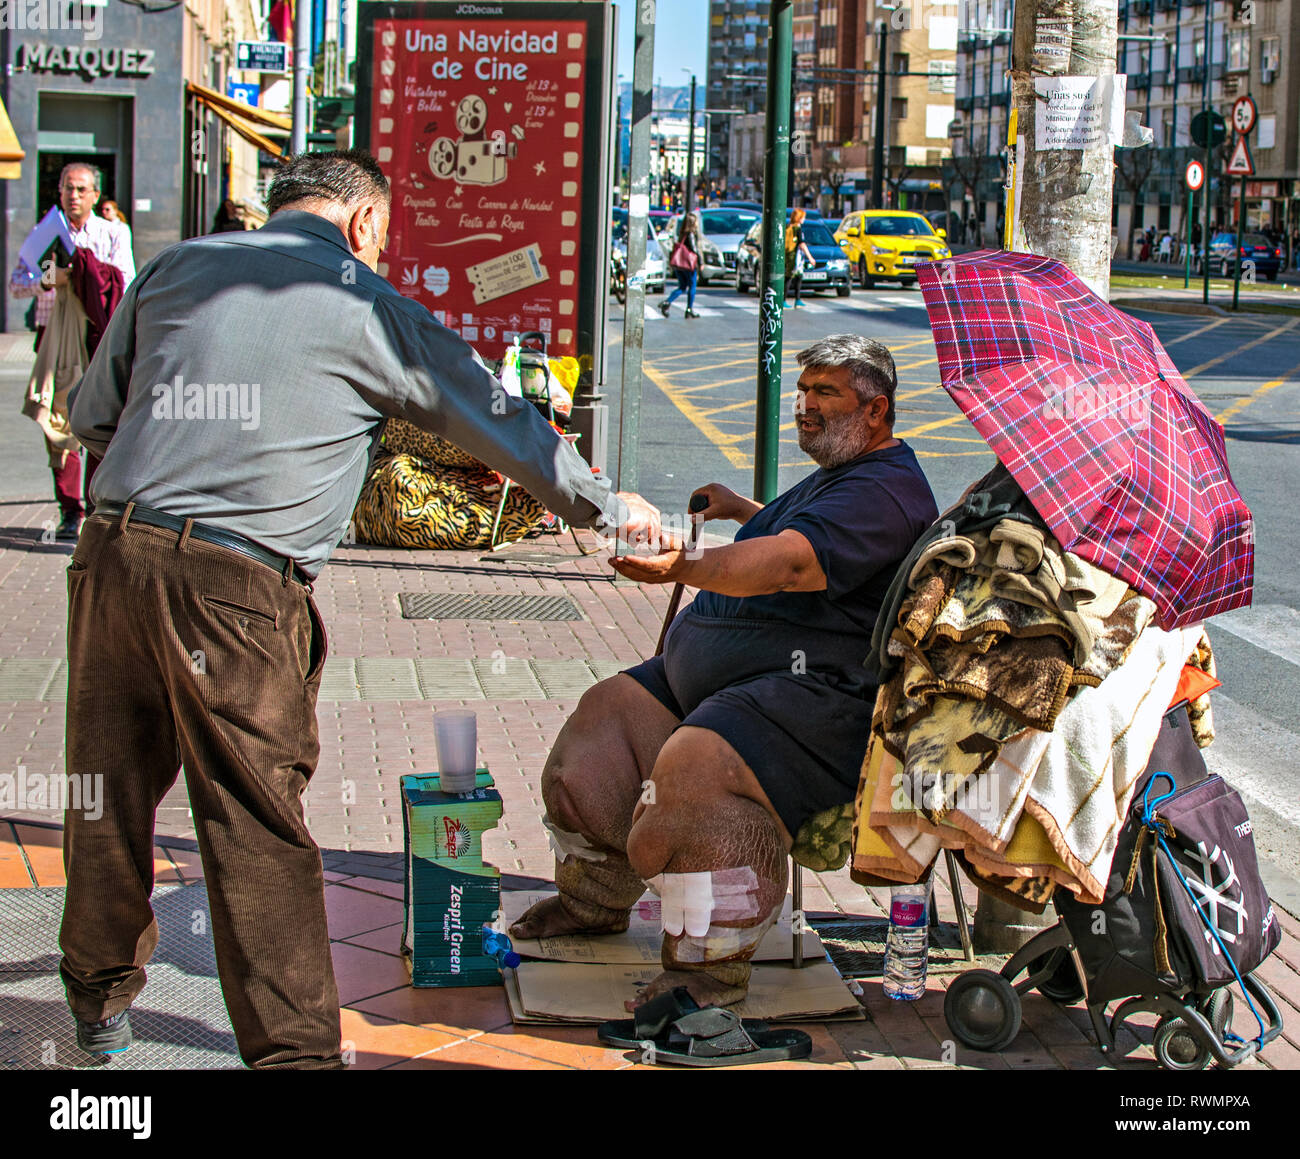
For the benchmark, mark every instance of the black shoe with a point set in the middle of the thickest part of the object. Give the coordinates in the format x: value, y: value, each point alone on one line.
x: 664, y: 307
x: 112, y: 1036
x: 70, y: 528
x: 691, y: 314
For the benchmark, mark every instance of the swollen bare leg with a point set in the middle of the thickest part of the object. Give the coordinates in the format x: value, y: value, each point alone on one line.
x: 591, y: 784
x: 711, y: 843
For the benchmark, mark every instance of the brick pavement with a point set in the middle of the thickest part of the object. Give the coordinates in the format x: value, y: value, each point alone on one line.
x: 353, y: 803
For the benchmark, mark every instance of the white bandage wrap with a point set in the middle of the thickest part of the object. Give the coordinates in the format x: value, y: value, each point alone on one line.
x: 691, y: 903
x: 566, y: 845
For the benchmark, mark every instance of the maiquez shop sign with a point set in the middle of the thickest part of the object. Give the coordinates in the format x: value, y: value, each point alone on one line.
x: 88, y: 60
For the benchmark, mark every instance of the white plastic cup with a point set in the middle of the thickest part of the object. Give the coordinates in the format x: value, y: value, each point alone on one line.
x: 455, y: 731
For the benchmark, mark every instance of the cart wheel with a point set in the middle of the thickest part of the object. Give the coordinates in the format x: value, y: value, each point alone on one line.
x: 1063, y: 986
x: 983, y: 1010
x: 1217, y: 1009
x: 1177, y: 1047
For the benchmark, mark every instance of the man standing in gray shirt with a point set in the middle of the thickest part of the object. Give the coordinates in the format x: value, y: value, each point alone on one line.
x: 235, y: 400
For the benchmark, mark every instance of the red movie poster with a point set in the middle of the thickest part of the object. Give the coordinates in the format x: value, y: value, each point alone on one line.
x: 478, y: 125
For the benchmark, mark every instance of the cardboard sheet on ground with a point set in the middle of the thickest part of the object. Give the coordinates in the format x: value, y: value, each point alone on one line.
x: 640, y: 944
x: 562, y: 992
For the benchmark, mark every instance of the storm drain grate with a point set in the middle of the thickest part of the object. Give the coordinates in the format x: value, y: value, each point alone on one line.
x: 857, y: 948
x: 449, y: 606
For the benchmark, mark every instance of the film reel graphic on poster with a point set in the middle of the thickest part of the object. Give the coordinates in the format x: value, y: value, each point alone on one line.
x: 479, y: 123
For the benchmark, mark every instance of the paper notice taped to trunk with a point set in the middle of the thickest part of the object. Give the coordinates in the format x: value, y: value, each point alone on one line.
x: 1079, y: 112
x: 497, y: 277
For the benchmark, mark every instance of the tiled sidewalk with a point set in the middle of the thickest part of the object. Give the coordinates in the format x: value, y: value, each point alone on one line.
x: 387, y: 1024
x: 376, y: 722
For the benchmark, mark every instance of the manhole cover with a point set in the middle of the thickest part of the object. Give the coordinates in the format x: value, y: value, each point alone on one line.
x: 448, y: 606
x: 858, y: 948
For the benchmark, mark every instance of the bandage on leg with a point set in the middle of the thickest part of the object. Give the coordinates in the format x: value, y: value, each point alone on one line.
x: 566, y: 845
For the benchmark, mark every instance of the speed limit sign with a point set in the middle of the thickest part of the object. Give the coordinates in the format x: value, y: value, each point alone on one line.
x: 1195, y: 175
x: 1243, y: 114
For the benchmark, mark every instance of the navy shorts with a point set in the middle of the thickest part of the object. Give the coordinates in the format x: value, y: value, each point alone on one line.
x: 804, y: 734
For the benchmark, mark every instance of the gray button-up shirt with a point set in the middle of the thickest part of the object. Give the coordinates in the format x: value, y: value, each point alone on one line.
x: 243, y: 379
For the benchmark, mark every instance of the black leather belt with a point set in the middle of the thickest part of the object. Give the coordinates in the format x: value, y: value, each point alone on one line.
x: 207, y: 534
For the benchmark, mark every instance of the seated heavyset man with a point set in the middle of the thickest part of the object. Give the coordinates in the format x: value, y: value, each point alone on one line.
x: 693, y: 771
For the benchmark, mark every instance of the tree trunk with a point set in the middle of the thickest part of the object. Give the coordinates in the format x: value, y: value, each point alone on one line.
x: 1065, y: 202
x: 1063, y: 211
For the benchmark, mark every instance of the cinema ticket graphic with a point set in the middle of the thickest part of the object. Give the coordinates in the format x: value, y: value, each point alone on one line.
x: 478, y: 124
x: 518, y: 270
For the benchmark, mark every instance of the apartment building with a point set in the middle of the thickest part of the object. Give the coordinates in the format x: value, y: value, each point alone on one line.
x: 837, y: 65
x: 737, y: 73
x: 1251, y: 48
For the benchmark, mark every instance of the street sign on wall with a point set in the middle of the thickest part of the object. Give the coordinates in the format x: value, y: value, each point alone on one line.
x: 262, y: 55
x: 489, y: 129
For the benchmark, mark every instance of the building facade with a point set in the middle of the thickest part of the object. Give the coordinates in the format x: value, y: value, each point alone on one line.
x: 108, y: 86
x: 837, y: 67
x: 1179, y: 56
x: 737, y: 75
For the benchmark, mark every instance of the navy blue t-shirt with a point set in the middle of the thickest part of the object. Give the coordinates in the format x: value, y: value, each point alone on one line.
x: 861, y: 519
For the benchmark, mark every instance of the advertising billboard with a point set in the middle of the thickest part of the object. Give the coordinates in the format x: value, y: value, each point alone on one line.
x: 489, y: 120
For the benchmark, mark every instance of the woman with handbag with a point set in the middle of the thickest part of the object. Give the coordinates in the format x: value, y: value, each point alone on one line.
x: 685, y: 260
x: 798, y: 257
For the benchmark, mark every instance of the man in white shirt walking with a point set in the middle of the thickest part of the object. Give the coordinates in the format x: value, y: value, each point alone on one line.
x: 79, y: 193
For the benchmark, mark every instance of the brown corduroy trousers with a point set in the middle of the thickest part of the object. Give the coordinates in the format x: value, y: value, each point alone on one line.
x: 185, y: 653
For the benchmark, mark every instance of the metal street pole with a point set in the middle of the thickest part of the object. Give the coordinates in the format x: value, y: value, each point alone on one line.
x: 878, y: 161
x: 1241, y: 229
x: 1187, y: 249
x: 301, y: 73
x: 1209, y: 173
x: 638, y: 209
x: 776, y: 169
x: 688, y: 206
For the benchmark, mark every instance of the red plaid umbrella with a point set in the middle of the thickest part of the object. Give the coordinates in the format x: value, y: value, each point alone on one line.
x: 1083, y: 406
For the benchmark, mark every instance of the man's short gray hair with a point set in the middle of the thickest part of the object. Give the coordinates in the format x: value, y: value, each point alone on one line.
x: 871, y: 366
x: 344, y: 176
x: 95, y: 175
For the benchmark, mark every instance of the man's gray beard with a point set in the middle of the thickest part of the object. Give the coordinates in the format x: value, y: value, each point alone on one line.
x: 843, y: 438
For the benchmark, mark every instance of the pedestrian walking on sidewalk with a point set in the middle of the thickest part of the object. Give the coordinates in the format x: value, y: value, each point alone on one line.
x: 685, y: 260
x: 192, y: 635
x: 73, y: 309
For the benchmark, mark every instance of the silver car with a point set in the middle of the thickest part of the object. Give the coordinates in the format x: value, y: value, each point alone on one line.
x: 721, y: 232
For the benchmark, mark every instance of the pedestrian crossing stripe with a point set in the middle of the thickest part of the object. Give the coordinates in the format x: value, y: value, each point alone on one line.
x: 721, y: 307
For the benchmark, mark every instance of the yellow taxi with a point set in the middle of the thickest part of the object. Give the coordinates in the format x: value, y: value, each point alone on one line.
x: 889, y: 244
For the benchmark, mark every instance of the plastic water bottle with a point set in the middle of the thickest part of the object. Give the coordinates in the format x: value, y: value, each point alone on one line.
x: 907, y: 946
x: 497, y: 945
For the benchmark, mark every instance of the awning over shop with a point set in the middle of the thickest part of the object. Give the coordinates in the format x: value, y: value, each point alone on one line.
x: 11, y: 152
x: 241, y: 118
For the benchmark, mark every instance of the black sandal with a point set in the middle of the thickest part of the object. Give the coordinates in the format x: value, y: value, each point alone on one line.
x: 673, y: 1028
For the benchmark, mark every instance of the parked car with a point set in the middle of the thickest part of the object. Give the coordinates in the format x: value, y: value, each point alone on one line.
x: 830, y: 269
x: 1255, y: 247
x: 721, y: 231
x: 886, y: 244
x: 656, y: 266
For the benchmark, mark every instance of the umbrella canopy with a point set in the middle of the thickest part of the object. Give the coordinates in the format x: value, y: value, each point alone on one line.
x: 1083, y: 406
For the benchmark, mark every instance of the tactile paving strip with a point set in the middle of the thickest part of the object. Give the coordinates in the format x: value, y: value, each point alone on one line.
x: 459, y: 606
x: 178, y: 1021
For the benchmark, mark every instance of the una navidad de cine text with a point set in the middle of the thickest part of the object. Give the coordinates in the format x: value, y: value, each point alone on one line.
x: 489, y: 65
